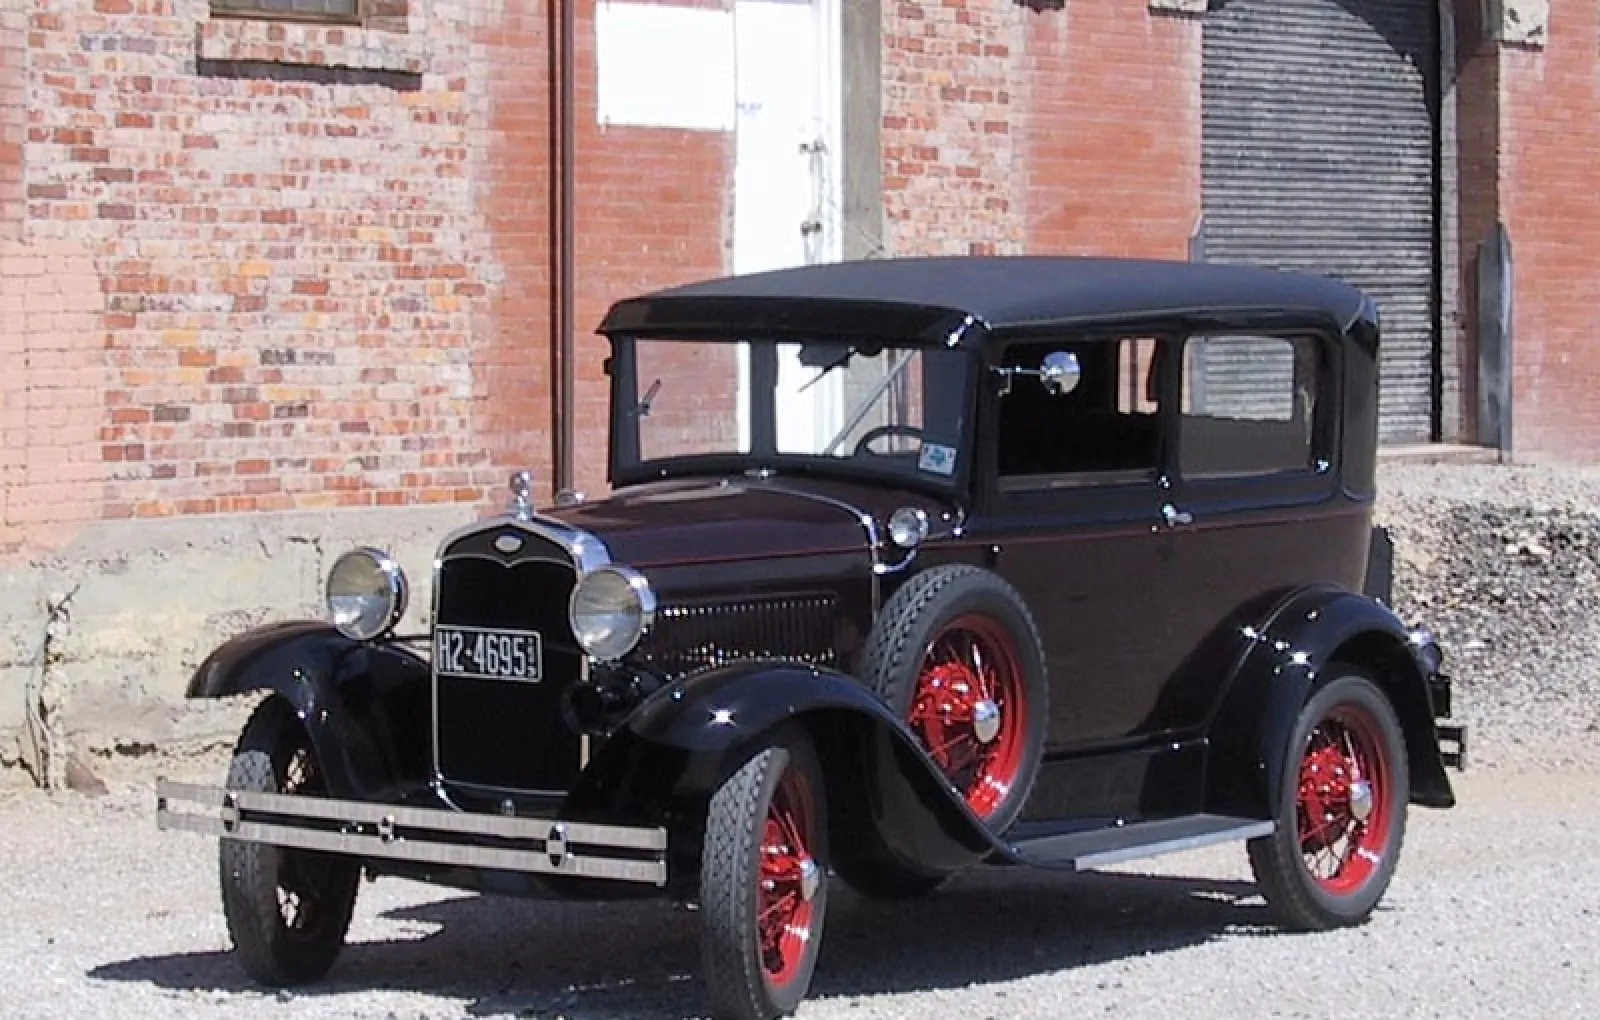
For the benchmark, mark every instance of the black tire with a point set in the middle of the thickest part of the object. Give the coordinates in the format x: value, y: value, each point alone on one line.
x: 775, y: 801
x: 941, y: 604
x: 287, y: 910
x: 1327, y: 865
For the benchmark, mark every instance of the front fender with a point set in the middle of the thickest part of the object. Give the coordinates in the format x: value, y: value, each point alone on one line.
x: 364, y: 705
x: 673, y: 752
x: 1277, y: 670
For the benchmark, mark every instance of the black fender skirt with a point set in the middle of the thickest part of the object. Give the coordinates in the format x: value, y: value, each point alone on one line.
x: 1280, y: 663
x: 364, y: 705
x: 671, y: 754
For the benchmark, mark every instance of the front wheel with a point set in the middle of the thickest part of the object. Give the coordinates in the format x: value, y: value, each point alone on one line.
x: 1341, y: 809
x: 287, y: 910
x: 763, y: 883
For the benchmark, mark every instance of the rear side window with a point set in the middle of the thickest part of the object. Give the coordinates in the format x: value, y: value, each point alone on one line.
x: 1251, y: 405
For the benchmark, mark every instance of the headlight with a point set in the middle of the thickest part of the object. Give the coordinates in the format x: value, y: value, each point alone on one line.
x: 611, y: 608
x: 366, y: 593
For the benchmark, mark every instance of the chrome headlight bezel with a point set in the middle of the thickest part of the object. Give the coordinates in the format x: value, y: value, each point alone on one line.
x: 375, y: 590
x: 618, y: 593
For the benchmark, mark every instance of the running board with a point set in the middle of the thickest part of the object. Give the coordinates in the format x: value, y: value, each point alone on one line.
x: 1113, y: 844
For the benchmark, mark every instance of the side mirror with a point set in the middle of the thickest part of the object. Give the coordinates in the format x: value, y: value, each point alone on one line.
x: 1060, y: 373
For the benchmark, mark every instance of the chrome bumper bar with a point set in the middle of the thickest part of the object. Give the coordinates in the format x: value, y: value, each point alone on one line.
x: 541, y: 846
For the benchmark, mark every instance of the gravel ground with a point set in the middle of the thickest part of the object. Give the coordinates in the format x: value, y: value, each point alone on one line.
x: 1492, y: 914
x: 1493, y: 911
x: 1503, y: 564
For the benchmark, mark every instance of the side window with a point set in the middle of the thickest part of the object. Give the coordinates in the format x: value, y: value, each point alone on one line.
x: 1250, y: 405
x: 1105, y: 429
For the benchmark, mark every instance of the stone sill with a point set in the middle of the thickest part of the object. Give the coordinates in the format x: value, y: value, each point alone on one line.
x: 312, y: 45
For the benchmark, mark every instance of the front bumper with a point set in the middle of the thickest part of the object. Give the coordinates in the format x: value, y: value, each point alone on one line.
x: 541, y: 846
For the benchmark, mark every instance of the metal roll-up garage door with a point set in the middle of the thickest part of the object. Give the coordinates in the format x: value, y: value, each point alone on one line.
x: 1319, y: 154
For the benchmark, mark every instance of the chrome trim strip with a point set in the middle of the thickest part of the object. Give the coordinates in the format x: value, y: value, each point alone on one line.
x: 588, y: 553
x: 550, y: 853
x: 865, y: 519
x: 587, y: 550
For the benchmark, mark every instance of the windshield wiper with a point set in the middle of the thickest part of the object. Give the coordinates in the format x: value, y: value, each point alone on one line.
x: 648, y: 399
x: 865, y: 407
x: 838, y: 362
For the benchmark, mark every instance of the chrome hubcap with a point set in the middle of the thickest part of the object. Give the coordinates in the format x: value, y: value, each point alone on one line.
x: 810, y: 879
x: 986, y: 721
x: 1360, y: 800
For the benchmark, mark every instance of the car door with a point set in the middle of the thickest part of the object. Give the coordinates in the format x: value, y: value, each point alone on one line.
x: 1255, y: 507
x: 1076, y: 487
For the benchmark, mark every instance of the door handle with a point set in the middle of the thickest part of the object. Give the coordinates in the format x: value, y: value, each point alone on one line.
x: 1175, y: 517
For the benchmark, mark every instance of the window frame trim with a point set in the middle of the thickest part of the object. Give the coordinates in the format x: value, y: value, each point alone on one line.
x: 356, y: 19
x: 1326, y: 412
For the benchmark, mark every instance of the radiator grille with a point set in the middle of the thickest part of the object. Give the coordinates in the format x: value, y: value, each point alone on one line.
x: 508, y: 734
x: 690, y: 638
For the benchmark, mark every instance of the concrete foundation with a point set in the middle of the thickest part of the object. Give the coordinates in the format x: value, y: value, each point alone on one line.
x: 137, y: 605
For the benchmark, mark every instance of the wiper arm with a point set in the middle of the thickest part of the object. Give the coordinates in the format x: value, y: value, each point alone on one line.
x: 867, y: 402
x: 838, y: 362
x: 648, y: 399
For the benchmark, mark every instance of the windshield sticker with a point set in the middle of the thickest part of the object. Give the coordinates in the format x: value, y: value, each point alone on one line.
x: 936, y: 459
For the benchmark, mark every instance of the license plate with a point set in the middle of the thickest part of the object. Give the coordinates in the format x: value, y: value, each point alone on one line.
x: 488, y: 654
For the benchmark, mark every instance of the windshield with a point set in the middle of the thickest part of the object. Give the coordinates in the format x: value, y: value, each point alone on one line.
x: 683, y: 405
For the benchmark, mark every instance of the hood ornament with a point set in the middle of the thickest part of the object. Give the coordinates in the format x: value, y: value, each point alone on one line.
x: 521, y: 496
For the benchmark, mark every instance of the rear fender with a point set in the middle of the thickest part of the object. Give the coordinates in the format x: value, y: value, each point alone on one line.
x: 673, y: 752
x: 364, y: 705
x: 1282, y: 661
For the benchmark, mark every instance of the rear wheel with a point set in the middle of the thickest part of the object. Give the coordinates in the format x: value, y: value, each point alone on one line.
x: 763, y: 883
x: 287, y: 910
x: 1341, y: 809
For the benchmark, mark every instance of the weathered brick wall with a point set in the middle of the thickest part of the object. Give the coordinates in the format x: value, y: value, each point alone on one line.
x: 325, y: 250
x: 1549, y: 178
x: 950, y: 113
x: 1050, y: 128
x: 51, y: 393
x: 13, y: 114
x: 1112, y: 130
x: 288, y: 262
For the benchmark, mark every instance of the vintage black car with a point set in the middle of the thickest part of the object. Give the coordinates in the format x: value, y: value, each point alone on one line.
x: 910, y: 566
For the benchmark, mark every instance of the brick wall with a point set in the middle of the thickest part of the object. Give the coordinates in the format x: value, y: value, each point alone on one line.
x: 1549, y: 177
x: 950, y: 114
x: 1051, y: 128
x: 51, y: 393
x: 13, y: 115
x: 1112, y: 130
x: 287, y: 259
x: 325, y: 251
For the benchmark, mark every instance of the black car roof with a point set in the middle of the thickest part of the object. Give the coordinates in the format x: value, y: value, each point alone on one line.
x: 1001, y: 292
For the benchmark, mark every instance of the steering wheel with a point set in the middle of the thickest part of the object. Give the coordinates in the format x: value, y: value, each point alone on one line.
x: 877, y: 432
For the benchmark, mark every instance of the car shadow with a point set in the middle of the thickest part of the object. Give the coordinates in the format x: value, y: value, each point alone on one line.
x: 533, y: 958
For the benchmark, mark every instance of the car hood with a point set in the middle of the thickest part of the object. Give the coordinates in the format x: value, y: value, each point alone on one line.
x: 707, y: 520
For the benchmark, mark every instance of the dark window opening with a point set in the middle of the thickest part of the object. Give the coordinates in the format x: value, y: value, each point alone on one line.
x: 1107, y: 425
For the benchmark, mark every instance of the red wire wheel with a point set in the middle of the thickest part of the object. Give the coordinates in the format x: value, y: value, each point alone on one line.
x: 786, y: 880
x: 955, y: 653
x: 1342, y: 808
x: 1343, y: 812
x: 763, y: 882
x: 970, y: 709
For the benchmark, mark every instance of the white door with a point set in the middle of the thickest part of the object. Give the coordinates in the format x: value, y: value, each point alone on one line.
x: 785, y: 174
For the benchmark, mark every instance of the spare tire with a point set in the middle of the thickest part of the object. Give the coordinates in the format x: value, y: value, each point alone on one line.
x: 955, y: 653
